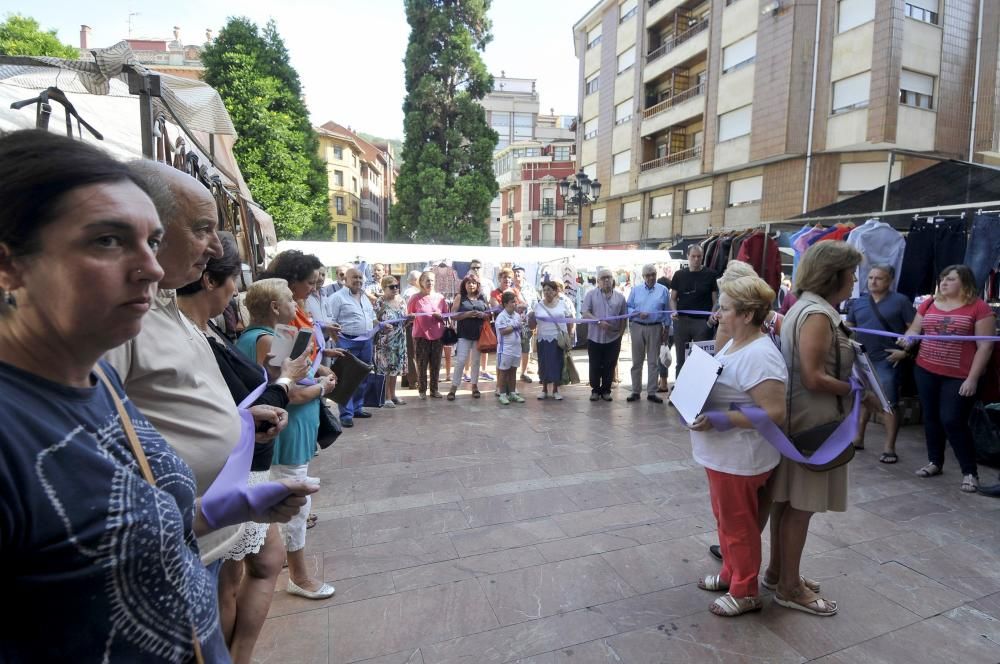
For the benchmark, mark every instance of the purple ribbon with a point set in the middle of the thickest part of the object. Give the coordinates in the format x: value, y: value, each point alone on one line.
x: 831, y: 448
x: 914, y: 337
x: 228, y: 500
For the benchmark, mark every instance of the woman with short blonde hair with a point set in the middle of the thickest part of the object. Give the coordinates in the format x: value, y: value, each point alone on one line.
x: 737, y: 459
x: 262, y: 294
x: 770, y: 324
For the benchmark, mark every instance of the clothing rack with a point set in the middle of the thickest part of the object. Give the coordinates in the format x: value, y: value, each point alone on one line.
x: 982, y: 211
x: 939, y: 216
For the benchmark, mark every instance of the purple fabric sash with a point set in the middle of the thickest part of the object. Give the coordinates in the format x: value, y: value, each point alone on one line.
x: 228, y: 500
x: 915, y: 337
x: 831, y: 448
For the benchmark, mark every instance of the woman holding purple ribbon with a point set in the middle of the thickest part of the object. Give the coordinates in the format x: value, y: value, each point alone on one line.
x: 390, y: 344
x: 271, y: 302
x: 100, y: 513
x: 948, y: 372
x: 738, y: 459
x: 553, y: 337
x: 818, y: 352
x: 470, y: 309
x: 251, y: 567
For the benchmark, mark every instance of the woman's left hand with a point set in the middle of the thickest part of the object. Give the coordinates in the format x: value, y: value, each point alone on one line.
x: 701, y: 423
x: 275, y: 418
x: 968, y: 387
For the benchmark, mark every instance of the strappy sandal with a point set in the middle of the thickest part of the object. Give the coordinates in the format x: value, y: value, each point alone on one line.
x: 728, y: 606
x: 808, y: 583
x: 817, y: 606
x: 930, y: 470
x: 451, y: 395
x: 476, y: 393
x: 712, y: 582
x: 888, y: 457
x: 970, y: 483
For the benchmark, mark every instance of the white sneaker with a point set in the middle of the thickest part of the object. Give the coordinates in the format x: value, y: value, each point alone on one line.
x: 543, y: 396
x: 388, y: 404
x: 557, y: 396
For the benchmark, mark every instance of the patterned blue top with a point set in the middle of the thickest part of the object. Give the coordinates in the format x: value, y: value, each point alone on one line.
x: 100, y: 565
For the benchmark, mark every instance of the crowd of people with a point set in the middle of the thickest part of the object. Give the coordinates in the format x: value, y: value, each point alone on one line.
x: 158, y: 445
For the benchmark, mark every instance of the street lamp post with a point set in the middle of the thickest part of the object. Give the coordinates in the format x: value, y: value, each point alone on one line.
x: 582, y: 191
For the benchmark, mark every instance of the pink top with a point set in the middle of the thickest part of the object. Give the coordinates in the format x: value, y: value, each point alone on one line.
x: 950, y: 358
x: 427, y: 327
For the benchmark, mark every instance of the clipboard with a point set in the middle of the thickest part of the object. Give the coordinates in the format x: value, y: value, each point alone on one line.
x: 864, y: 370
x: 707, y: 346
x: 695, y: 383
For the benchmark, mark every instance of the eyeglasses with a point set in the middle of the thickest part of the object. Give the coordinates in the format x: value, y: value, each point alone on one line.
x: 649, y: 274
x: 394, y: 287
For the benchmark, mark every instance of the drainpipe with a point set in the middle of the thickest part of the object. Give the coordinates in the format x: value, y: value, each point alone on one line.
x: 812, y: 110
x: 975, y: 83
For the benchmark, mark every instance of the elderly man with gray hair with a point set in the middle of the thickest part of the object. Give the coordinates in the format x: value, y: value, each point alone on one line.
x: 648, y: 304
x: 604, y: 338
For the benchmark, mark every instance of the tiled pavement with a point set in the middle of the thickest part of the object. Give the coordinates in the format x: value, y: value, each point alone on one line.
x: 574, y: 532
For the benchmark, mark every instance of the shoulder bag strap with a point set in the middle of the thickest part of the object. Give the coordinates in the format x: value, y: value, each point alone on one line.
x: 878, y: 314
x: 147, y: 472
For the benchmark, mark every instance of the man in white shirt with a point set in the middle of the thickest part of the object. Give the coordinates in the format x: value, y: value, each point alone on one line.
x: 351, y: 309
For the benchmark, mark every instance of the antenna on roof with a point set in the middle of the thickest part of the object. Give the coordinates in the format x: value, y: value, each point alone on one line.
x: 130, y: 15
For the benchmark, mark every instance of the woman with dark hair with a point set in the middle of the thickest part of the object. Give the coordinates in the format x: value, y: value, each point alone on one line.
x: 471, y: 310
x: 948, y: 372
x: 553, y: 338
x: 108, y: 558
x: 390, y: 344
x: 244, y: 598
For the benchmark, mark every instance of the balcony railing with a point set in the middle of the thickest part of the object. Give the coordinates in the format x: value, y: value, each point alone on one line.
x: 675, y: 158
x: 672, y: 42
x: 548, y: 210
x: 673, y: 100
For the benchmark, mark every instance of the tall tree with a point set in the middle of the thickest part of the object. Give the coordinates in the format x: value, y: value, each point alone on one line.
x: 22, y: 35
x: 277, y: 149
x: 446, y: 182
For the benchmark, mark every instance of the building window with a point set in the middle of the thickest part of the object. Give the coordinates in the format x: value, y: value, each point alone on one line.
x: 626, y: 59
x: 631, y: 211
x: 922, y: 10
x: 622, y: 163
x: 591, y: 170
x: 747, y: 191
x: 916, y: 89
x: 338, y: 178
x: 590, y: 128
x: 623, y: 111
x: 597, y: 216
x: 561, y: 153
x: 338, y: 152
x: 354, y: 184
x: 627, y: 10
x: 341, y: 232
x: 594, y: 37
x: 851, y: 92
x: 523, y: 126
x: 735, y: 123
x: 661, y: 206
x: 549, y: 203
x: 739, y: 54
x: 852, y: 13
x: 339, y: 200
x: 698, y: 200
x: 593, y: 83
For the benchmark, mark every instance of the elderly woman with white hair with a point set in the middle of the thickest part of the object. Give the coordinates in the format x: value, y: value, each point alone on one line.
x: 772, y: 323
x: 604, y: 338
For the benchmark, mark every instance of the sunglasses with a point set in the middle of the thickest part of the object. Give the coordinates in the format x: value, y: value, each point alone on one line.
x: 394, y: 287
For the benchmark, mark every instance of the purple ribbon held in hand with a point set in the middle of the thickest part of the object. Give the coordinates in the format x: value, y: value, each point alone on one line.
x: 229, y: 500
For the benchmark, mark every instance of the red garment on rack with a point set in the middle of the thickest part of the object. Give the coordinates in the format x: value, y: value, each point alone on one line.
x: 840, y: 233
x: 767, y: 266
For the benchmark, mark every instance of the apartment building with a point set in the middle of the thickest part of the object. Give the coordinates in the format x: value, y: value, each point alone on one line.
x: 361, y: 180
x: 530, y: 145
x: 699, y: 115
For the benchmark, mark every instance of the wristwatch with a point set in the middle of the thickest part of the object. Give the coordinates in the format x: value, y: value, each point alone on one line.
x: 285, y: 382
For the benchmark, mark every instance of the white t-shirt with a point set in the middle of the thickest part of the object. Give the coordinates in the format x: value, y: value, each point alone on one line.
x: 508, y: 344
x: 547, y: 331
x: 740, y: 451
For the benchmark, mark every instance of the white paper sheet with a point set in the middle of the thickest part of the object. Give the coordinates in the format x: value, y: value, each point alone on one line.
x: 865, y: 372
x: 695, y: 383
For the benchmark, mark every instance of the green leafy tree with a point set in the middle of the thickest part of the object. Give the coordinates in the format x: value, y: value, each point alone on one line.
x: 446, y: 181
x: 277, y: 149
x: 22, y: 35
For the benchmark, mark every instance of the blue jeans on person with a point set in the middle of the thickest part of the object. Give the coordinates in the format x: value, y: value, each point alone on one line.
x: 946, y: 414
x: 361, y: 349
x: 213, y: 647
x: 889, y: 378
x: 983, y: 252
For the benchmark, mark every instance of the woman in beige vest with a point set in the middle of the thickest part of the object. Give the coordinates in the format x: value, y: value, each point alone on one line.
x: 812, y: 340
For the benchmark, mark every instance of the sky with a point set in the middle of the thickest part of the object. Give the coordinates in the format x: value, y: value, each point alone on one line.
x: 349, y: 53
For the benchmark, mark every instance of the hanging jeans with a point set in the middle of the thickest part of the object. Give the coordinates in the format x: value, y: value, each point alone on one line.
x: 931, y: 246
x: 983, y: 253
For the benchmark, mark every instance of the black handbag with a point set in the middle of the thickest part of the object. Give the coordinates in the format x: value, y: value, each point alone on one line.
x: 450, y: 336
x: 329, y: 426
x: 808, y: 441
x: 350, y: 373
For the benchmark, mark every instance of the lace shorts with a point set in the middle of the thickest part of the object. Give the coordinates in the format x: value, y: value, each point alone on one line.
x: 254, y: 533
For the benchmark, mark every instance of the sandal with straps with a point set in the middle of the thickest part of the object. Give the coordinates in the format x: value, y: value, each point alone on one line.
x: 930, y: 470
x: 712, y: 582
x: 816, y: 606
x: 808, y: 583
x: 728, y: 606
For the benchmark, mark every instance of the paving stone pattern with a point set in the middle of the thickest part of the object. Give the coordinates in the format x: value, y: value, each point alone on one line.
x: 574, y: 531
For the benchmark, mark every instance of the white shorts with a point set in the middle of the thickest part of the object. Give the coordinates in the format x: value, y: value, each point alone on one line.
x: 508, y: 361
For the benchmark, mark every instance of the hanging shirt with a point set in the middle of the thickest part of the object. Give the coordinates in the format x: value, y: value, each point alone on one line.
x: 879, y: 244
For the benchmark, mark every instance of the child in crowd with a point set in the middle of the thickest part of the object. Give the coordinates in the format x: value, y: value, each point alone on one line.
x: 508, y: 326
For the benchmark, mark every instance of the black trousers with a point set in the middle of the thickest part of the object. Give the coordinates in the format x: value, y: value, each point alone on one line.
x: 603, y: 358
x: 688, y: 328
x: 931, y: 246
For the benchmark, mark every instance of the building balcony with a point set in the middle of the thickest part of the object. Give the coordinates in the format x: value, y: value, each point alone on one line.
x: 677, y: 109
x: 659, y: 8
x: 676, y: 49
x: 670, y: 168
